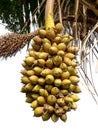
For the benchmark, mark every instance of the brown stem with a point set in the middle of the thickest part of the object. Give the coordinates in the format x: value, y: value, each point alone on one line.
x: 75, y: 20
x: 87, y: 37
x: 84, y: 22
x: 60, y: 14
x: 90, y: 6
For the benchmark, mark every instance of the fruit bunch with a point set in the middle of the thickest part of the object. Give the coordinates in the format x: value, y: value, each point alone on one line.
x: 49, y: 78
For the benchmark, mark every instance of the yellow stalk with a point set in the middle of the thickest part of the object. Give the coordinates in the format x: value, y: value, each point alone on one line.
x: 49, y: 19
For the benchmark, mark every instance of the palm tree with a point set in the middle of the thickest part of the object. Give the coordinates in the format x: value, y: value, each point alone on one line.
x: 79, y: 19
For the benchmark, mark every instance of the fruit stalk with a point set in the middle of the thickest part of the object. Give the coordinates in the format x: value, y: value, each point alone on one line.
x: 49, y: 20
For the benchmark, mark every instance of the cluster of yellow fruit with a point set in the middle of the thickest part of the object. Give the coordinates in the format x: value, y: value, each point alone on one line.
x: 49, y: 76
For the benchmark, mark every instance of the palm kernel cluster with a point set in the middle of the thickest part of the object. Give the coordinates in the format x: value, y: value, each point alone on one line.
x: 49, y: 75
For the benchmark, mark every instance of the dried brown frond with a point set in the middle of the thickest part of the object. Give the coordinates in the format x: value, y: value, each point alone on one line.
x: 11, y: 43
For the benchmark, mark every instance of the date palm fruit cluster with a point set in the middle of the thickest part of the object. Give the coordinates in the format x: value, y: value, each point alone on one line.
x: 49, y: 77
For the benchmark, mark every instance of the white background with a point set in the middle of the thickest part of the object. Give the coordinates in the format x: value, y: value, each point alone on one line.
x: 16, y: 114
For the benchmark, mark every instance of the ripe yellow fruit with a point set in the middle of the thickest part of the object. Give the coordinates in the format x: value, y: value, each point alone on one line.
x: 57, y: 39
x: 59, y: 111
x: 64, y: 92
x: 70, y: 55
x: 57, y: 72
x: 29, y: 87
x: 29, y: 60
x: 35, y: 46
x: 51, y: 99
x: 73, y: 49
x: 30, y: 72
x: 71, y: 88
x: 61, y: 53
x: 37, y: 70
x: 25, y: 80
x: 37, y: 40
x: 45, y: 116
x: 57, y: 60
x: 41, y: 81
x: 33, y: 79
x: 54, y: 44
x: 34, y: 54
x: 53, y: 50
x: 38, y: 111
x: 72, y: 70
x: 65, y: 75
x: 63, y: 66
x: 49, y: 75
x: 42, y: 33
x: 40, y: 62
x: 41, y: 100
x: 34, y: 96
x: 54, y: 117
x: 48, y: 87
x: 66, y: 83
x: 46, y: 40
x: 43, y: 92
x: 63, y: 117
x: 77, y: 89
x: 29, y: 99
x: 46, y: 46
x: 54, y: 91
x: 50, y: 109
x: 23, y: 89
x: 74, y: 79
x: 66, y: 108
x: 46, y: 72
x: 75, y: 97
x: 65, y: 40
x: 61, y: 46
x: 61, y: 101
x: 49, y: 79
x: 43, y: 55
x: 49, y: 63
x: 58, y: 27
x: 50, y: 34
x: 36, y: 88
x: 68, y: 99
x: 67, y: 61
x: 57, y: 82
x: 74, y: 105
x: 73, y: 63
x: 34, y: 104
x: 24, y: 72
